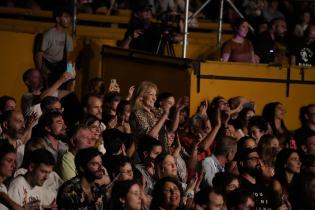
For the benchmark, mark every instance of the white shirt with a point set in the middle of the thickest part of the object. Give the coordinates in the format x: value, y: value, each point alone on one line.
x: 22, y: 193
x: 211, y: 166
x: 3, y: 188
x: 53, y: 181
x: 20, y: 148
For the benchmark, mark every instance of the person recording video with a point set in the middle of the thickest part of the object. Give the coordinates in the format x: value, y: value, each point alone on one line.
x: 141, y: 33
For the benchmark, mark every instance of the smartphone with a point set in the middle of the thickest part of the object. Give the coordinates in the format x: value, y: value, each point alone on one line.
x: 69, y: 68
x: 249, y: 105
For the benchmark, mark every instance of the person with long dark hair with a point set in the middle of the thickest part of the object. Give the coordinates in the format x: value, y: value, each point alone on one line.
x: 167, y: 194
x: 274, y: 114
x: 126, y: 195
x: 287, y: 170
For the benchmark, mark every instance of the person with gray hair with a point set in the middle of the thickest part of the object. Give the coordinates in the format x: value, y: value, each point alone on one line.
x: 224, y: 153
x: 81, y: 138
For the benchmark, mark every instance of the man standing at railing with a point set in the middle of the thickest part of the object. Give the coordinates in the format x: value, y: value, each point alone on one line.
x: 56, y: 44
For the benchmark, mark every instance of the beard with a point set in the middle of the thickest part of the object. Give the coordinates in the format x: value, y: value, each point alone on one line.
x: 93, y: 175
x: 254, y: 172
x: 59, y: 136
x: 16, y: 134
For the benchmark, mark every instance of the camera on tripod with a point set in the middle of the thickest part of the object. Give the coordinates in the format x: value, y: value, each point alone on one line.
x: 168, y: 23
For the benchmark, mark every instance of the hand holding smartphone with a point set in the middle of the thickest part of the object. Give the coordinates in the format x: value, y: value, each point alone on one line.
x: 69, y: 68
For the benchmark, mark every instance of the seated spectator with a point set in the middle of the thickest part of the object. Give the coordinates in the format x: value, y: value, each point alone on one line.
x: 114, y: 143
x: 7, y: 103
x: 82, y: 191
x: 149, y: 148
x: 53, y: 181
x: 126, y: 195
x: 225, y: 182
x: 179, y: 153
x: 28, y: 189
x: 167, y: 194
x: 13, y: 127
x: 51, y: 103
x: 307, y: 118
x: 305, y: 18
x: 303, y: 50
x: 53, y: 133
x: 241, y: 200
x: 274, y: 114
x: 94, y: 124
x: 7, y: 167
x: 168, y: 99
x: 309, y: 145
x: 239, y: 49
x: 309, y: 164
x: 165, y: 165
x: 268, y: 148
x: 93, y: 105
x: 270, y: 45
x: 308, y: 194
x: 96, y: 86
x: 242, y: 120
x: 271, y: 11
x: 81, y: 139
x: 121, y: 168
x: 123, y: 114
x: 253, y: 9
x: 215, y: 200
x: 250, y: 171
x: 199, y: 138
x: 223, y: 153
x: 111, y: 102
x: 257, y: 127
x: 30, y: 101
x: 287, y: 180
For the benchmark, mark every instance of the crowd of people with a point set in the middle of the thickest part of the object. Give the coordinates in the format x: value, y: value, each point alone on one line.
x: 145, y: 150
x: 281, y: 32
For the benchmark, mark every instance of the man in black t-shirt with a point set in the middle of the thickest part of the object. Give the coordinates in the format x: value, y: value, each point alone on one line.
x: 141, y: 33
x: 250, y: 171
x: 270, y: 46
x: 303, y: 53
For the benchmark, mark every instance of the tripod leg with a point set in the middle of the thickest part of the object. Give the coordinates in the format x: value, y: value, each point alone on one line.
x: 199, y: 10
x: 219, y: 34
x: 159, y: 45
x: 239, y: 13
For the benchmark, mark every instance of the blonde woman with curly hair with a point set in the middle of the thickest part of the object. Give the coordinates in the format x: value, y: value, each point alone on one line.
x: 145, y: 118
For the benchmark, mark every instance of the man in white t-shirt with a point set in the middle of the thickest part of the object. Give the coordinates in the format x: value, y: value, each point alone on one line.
x: 28, y: 189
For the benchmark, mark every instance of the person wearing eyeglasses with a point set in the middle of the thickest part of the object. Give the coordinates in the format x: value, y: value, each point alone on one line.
x: 81, y: 138
x: 249, y: 166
